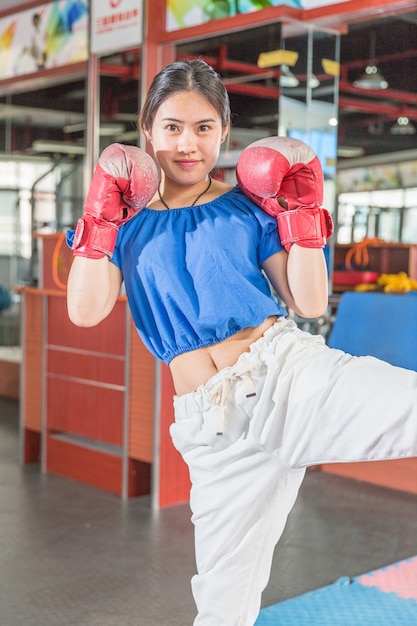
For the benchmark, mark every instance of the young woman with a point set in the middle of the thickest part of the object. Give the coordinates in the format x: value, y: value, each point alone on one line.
x: 257, y: 400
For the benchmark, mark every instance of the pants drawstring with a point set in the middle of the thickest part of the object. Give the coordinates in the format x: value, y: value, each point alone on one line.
x: 220, y: 392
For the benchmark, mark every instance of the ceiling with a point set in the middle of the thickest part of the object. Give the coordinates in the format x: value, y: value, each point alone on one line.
x: 55, y: 111
x: 366, y: 116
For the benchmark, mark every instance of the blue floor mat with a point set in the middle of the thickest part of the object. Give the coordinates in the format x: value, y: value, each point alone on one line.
x: 353, y: 602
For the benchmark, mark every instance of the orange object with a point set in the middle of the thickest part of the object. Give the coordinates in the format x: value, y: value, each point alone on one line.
x: 55, y: 262
x: 359, y: 253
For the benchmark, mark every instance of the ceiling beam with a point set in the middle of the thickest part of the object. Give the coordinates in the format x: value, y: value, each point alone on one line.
x: 359, y: 105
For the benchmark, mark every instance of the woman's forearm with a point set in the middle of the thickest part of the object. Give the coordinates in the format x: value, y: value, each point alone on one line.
x: 92, y: 291
x: 308, y: 280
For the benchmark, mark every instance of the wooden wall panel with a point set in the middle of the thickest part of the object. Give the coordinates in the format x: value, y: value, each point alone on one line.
x: 85, y: 410
x: 398, y: 474
x: 388, y: 258
x: 31, y: 446
x: 86, y: 396
x: 412, y: 262
x: 98, y: 469
x: 9, y: 379
x: 95, y: 367
x: 141, y: 399
x: 139, y: 478
x: 32, y: 361
x: 107, y: 337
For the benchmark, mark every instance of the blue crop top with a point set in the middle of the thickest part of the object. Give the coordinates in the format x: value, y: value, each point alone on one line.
x: 193, y: 275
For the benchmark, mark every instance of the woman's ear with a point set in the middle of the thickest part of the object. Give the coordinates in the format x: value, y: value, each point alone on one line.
x: 224, y: 134
x: 147, y: 135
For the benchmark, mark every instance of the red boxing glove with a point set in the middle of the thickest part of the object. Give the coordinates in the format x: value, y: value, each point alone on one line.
x: 124, y: 181
x: 284, y: 177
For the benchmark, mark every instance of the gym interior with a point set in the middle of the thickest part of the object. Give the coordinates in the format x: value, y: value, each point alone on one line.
x: 94, y: 517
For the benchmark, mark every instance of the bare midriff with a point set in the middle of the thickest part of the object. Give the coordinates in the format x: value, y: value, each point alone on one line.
x: 192, y: 369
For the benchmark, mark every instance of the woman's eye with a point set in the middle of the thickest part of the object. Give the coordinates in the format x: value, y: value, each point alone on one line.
x: 172, y: 127
x: 204, y: 128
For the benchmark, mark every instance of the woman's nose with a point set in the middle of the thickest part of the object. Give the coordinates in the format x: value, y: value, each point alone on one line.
x: 186, y: 142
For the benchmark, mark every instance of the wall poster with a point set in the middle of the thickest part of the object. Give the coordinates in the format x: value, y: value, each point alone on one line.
x: 186, y: 13
x: 47, y: 36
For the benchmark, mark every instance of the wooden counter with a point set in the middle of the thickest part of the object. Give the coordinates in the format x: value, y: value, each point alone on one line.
x: 95, y: 405
x: 382, y: 258
x: 10, y: 372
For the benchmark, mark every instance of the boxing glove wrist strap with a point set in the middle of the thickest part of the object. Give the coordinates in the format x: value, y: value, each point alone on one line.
x: 94, y: 238
x: 308, y: 228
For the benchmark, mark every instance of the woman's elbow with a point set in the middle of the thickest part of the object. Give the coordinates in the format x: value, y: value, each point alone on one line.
x: 310, y: 304
x: 82, y: 317
x: 312, y: 310
x: 312, y: 313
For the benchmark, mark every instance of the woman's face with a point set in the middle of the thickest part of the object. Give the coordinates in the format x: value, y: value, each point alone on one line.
x: 186, y: 137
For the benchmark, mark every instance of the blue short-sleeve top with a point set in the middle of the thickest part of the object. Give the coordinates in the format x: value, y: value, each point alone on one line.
x: 193, y: 275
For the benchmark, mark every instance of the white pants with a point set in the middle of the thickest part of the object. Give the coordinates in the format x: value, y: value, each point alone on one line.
x: 313, y: 405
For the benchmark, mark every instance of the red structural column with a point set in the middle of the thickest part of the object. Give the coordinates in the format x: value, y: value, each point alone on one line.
x: 171, y: 484
x: 155, y: 55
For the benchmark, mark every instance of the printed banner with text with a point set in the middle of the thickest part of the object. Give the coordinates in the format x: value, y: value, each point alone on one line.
x: 115, y: 25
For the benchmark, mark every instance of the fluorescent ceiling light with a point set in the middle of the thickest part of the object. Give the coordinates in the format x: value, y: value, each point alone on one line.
x: 108, y: 129
x: 74, y: 128
x: 60, y: 147
x: 350, y: 151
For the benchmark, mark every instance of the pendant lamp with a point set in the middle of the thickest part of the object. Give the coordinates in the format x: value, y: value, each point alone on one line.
x: 372, y: 77
x: 403, y: 126
x: 313, y: 81
x: 284, y: 59
x: 287, y: 78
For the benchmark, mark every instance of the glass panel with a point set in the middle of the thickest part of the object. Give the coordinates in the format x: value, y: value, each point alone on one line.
x: 119, y: 97
x: 308, y: 104
x: 9, y: 225
x: 42, y: 144
x: 9, y: 268
x: 389, y: 214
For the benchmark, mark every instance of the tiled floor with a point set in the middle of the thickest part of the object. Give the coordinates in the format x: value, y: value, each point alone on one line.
x: 71, y: 555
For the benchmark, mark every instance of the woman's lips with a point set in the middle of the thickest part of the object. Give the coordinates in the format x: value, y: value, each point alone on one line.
x: 187, y: 164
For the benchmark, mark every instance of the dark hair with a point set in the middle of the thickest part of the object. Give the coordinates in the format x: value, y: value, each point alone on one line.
x: 192, y: 75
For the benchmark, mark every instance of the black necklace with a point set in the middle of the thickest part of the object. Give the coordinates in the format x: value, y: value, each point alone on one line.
x: 196, y: 200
